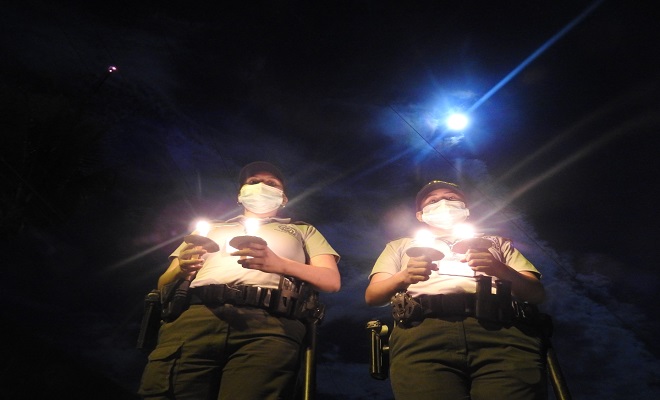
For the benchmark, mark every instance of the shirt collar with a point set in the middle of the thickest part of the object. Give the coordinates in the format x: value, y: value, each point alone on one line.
x: 242, y: 218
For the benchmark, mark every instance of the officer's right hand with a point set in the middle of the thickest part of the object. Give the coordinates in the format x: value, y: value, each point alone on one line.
x: 190, y: 260
x: 419, y: 269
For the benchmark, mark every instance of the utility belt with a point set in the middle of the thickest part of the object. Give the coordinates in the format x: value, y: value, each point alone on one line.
x: 289, y: 301
x: 483, y: 305
x: 292, y: 299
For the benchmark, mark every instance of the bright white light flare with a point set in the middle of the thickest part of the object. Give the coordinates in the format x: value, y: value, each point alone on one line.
x: 251, y: 226
x: 457, y: 122
x: 202, y: 228
x: 424, y: 238
x: 463, y: 231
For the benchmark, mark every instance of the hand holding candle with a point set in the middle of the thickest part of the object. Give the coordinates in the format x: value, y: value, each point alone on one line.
x: 253, y: 251
x: 423, y: 244
x: 198, y: 245
x: 251, y: 228
x: 199, y: 238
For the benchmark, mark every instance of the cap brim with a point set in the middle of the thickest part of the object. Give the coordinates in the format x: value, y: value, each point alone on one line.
x: 433, y: 185
x: 257, y: 167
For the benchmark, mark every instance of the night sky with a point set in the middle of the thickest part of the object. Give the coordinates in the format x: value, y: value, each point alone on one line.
x: 104, y: 172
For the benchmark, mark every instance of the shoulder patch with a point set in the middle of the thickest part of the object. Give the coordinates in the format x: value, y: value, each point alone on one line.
x: 287, y: 229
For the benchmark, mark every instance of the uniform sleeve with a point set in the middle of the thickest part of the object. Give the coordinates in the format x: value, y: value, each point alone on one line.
x: 389, y: 260
x: 315, y: 243
x: 176, y: 252
x: 515, y: 259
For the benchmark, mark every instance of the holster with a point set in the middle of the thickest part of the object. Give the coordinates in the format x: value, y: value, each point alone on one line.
x: 405, y: 309
x: 174, y: 299
x: 296, y: 300
x: 161, y: 305
x: 151, y: 320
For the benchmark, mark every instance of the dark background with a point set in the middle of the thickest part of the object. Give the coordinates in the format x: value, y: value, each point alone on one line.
x: 103, y: 173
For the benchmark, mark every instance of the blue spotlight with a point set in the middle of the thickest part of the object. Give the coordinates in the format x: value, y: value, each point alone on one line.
x: 457, y: 122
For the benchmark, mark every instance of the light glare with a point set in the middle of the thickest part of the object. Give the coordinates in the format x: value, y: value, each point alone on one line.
x: 424, y: 238
x: 464, y: 231
x: 203, y: 227
x: 457, y: 122
x: 251, y: 226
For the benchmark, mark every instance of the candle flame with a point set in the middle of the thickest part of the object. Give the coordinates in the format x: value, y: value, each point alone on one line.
x: 464, y: 231
x: 424, y: 238
x: 251, y: 226
x: 202, y: 228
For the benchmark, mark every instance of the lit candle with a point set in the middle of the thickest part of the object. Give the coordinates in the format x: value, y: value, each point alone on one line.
x: 423, y: 245
x: 251, y: 226
x: 198, y: 237
x: 424, y: 238
x: 468, y: 239
x: 202, y: 228
x: 463, y: 231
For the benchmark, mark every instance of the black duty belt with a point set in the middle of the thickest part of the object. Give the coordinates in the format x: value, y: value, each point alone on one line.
x: 239, y: 295
x: 294, y: 302
x: 406, y: 309
x: 442, y: 305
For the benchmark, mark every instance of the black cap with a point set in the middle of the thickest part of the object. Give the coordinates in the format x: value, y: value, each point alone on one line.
x: 259, y: 166
x: 433, y: 185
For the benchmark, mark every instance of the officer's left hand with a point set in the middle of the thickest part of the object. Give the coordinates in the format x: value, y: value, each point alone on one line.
x: 258, y: 256
x: 482, y: 260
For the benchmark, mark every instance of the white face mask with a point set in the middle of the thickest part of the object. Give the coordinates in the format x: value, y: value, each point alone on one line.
x: 261, y: 198
x: 445, y: 214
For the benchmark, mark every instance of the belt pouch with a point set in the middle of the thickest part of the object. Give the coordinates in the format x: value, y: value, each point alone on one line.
x: 178, y: 303
x: 284, y: 298
x: 485, y: 307
x: 504, y: 301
